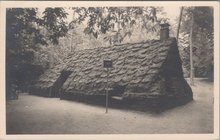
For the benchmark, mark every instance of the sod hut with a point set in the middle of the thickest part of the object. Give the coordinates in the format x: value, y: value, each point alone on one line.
x: 146, y: 71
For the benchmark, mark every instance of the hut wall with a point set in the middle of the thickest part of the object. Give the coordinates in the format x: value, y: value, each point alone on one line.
x: 40, y: 91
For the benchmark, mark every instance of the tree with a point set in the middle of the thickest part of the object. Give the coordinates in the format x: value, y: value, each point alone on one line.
x: 54, y: 22
x: 202, y: 36
x: 118, y: 21
x: 179, y: 23
x: 24, y: 29
x: 191, y: 52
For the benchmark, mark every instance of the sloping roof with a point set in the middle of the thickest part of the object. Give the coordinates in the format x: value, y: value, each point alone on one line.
x: 135, y: 66
x: 50, y: 76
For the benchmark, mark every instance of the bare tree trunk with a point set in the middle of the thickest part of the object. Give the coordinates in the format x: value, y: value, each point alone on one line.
x: 191, y: 53
x: 71, y: 43
x: 178, y: 28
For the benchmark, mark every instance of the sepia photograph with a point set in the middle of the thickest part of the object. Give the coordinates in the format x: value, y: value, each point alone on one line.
x: 110, y: 69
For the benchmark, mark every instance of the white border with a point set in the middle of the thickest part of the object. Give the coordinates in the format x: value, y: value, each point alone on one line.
x: 5, y: 4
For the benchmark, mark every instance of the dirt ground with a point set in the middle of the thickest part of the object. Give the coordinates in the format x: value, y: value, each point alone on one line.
x: 40, y: 115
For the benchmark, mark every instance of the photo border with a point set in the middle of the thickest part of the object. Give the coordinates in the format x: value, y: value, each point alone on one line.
x: 25, y: 4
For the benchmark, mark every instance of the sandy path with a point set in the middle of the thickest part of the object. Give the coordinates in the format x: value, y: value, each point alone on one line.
x: 39, y: 115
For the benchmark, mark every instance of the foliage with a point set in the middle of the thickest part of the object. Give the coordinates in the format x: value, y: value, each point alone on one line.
x: 203, y: 18
x: 24, y: 29
x: 118, y: 21
x: 203, y: 39
x: 53, y: 20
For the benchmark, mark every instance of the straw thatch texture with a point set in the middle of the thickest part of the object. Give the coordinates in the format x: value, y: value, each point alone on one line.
x: 143, y: 70
x: 46, y: 82
x: 139, y: 70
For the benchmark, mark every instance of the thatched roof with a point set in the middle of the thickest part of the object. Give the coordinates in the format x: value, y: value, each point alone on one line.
x: 49, y: 77
x: 135, y: 67
x: 147, y: 70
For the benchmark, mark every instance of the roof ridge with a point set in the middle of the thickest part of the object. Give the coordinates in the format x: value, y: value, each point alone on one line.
x: 124, y: 44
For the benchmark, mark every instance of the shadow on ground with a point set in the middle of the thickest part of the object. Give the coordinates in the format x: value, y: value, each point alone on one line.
x: 136, y: 105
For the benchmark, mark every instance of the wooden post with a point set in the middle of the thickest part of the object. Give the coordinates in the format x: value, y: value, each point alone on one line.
x: 191, y: 53
x: 107, y: 63
x: 106, y: 111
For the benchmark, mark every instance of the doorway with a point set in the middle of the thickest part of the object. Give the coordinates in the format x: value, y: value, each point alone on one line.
x: 59, y: 83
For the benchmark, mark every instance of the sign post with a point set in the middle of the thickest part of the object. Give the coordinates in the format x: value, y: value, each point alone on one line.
x: 107, y: 64
x: 106, y: 111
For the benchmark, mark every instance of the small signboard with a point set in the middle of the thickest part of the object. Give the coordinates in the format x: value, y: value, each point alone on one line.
x: 107, y: 63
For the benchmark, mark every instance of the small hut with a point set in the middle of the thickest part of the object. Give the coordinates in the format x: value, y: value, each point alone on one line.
x: 146, y: 71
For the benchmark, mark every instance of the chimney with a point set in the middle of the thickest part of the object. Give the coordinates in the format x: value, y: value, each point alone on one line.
x: 164, y: 31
